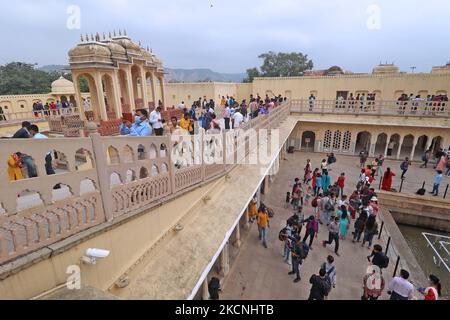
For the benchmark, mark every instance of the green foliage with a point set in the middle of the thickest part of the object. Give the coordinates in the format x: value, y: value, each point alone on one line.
x: 24, y: 78
x: 281, y: 64
x: 252, y: 74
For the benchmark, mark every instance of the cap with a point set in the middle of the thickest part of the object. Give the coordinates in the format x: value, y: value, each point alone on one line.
x: 374, y: 199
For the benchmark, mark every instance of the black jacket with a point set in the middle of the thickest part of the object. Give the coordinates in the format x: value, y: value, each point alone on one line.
x: 22, y: 134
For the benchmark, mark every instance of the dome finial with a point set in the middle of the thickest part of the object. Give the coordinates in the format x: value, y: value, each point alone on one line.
x: 125, y: 33
x: 82, y: 40
x: 110, y: 35
x: 140, y: 44
x: 104, y: 36
x: 115, y: 33
x: 87, y: 37
x: 120, y: 32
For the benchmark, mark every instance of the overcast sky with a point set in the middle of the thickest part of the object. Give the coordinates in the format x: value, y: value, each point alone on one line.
x: 229, y: 36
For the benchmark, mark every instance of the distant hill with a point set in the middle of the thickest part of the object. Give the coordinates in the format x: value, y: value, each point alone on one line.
x: 201, y: 75
x: 55, y: 68
x: 175, y: 75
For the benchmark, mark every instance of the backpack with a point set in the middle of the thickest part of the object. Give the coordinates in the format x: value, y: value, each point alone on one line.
x: 385, y: 262
x: 329, y: 206
x: 315, y: 202
x: 421, y: 192
x: 305, y: 250
x: 283, y: 235
x: 403, y: 166
x: 328, y: 279
x: 271, y: 213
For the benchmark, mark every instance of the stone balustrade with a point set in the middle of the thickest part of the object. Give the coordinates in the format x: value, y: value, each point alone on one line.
x: 107, y: 177
x: 435, y: 109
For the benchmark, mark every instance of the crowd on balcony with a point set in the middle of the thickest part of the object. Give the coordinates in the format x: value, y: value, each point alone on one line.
x: 203, y: 113
x: 52, y: 108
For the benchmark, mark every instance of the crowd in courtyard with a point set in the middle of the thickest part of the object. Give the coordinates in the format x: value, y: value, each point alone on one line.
x: 348, y: 217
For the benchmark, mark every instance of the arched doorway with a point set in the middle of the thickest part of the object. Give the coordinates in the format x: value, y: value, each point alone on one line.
x: 108, y: 91
x: 420, y: 148
x: 394, y: 144
x: 381, y: 144
x: 363, y: 142
x: 91, y: 106
x: 436, y: 144
x: 137, y: 86
x: 308, y: 141
x: 407, y: 146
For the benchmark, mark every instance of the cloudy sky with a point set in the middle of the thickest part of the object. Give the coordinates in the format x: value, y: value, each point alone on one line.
x: 229, y: 36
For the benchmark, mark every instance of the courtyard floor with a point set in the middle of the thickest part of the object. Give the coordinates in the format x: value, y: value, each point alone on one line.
x: 260, y: 273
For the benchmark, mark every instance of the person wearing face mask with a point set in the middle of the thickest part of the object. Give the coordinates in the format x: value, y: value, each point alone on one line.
x: 141, y: 127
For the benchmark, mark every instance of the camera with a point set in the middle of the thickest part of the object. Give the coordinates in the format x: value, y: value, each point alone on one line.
x: 92, y: 254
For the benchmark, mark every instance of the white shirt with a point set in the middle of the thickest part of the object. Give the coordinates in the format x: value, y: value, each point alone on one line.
x: 40, y: 136
x: 181, y: 106
x: 155, y: 120
x: 402, y: 287
x: 238, y: 119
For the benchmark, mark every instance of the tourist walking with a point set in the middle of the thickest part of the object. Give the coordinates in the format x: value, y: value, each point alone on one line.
x: 320, y: 287
x: 314, y: 177
x: 324, y: 166
x: 379, y: 258
x: 318, y: 184
x: 363, y: 155
x: 434, y: 291
x: 326, y: 181
x: 307, y: 177
x: 312, y: 230
x: 298, y: 254
x: 400, y: 288
x: 263, y: 225
x: 387, y: 180
x: 370, y: 230
x: 253, y: 210
x: 437, y: 183
x: 214, y: 288
x: 341, y: 185
x: 330, y: 270
x: 344, y: 223
x: 360, y: 225
x: 404, y: 167
x: 333, y: 235
x: 373, y: 284
x: 379, y: 171
x: 156, y: 121
x: 426, y: 158
x: 227, y: 116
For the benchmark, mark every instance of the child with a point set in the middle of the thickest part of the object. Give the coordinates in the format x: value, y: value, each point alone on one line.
x: 288, y: 200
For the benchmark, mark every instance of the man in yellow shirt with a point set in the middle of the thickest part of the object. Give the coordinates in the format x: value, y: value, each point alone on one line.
x: 186, y: 123
x: 263, y: 225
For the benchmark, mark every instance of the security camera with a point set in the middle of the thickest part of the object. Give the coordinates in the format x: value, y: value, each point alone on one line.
x: 93, y: 254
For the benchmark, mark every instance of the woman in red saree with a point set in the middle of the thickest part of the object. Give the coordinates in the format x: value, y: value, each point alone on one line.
x: 387, y: 180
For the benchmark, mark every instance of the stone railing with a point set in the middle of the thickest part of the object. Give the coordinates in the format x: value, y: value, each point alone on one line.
x: 437, y: 109
x: 41, y: 115
x: 107, y: 177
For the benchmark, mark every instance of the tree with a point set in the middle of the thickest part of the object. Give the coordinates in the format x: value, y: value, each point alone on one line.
x: 281, y: 64
x: 84, y: 85
x: 252, y: 74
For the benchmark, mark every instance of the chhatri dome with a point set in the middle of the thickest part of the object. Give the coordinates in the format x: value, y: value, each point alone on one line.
x: 109, y: 51
x: 62, y: 86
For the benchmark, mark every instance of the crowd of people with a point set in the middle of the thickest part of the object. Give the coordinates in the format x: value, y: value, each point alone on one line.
x: 52, y: 108
x: 22, y: 165
x: 202, y: 113
x: 333, y: 209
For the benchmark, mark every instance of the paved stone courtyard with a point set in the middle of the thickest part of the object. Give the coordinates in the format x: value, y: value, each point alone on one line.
x: 260, y: 273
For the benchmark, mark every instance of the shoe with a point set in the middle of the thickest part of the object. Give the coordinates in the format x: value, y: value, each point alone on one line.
x: 362, y: 244
x: 353, y: 241
x: 297, y: 280
x: 291, y: 273
x: 311, y: 248
x: 289, y: 263
x: 324, y: 244
x: 369, y: 247
x: 337, y: 254
x: 265, y: 245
